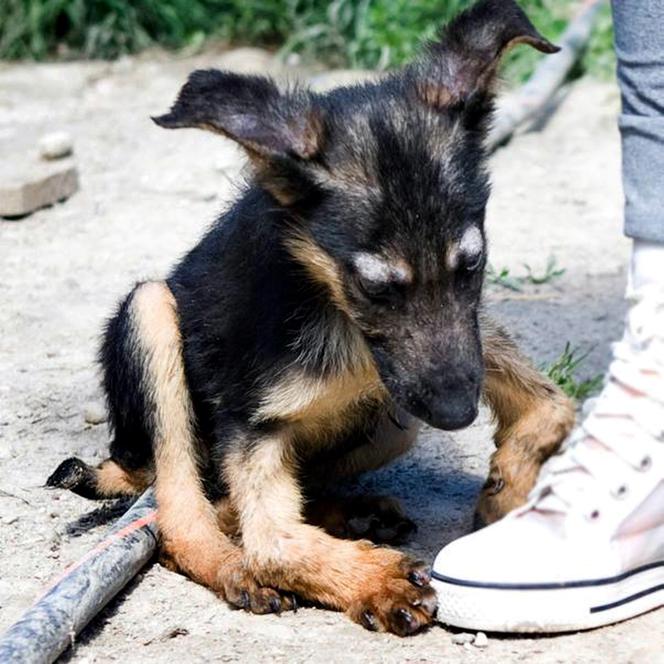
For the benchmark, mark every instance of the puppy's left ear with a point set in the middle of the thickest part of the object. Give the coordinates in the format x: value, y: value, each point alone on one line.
x: 279, y: 131
x: 461, y: 66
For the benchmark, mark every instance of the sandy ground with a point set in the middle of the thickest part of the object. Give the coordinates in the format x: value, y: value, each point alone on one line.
x: 146, y: 196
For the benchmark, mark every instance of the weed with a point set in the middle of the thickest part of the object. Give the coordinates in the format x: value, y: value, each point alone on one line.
x: 551, y: 272
x: 563, y: 372
x: 504, y: 279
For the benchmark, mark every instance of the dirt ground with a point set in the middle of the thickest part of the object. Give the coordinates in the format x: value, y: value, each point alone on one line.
x: 146, y: 195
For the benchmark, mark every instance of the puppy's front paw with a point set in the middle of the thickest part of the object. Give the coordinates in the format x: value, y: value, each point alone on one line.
x: 496, y: 499
x: 401, y: 602
x: 241, y: 590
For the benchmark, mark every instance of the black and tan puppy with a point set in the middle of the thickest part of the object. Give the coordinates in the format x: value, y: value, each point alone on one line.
x: 332, y: 307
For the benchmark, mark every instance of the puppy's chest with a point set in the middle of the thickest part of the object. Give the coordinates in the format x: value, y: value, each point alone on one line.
x: 321, y: 406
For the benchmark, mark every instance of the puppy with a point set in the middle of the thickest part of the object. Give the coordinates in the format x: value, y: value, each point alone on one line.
x: 332, y: 308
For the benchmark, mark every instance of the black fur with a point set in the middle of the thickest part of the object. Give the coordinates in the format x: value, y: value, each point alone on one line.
x: 129, y: 405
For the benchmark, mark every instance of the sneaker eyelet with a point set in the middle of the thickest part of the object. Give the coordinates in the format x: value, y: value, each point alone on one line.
x: 646, y: 463
x: 620, y: 492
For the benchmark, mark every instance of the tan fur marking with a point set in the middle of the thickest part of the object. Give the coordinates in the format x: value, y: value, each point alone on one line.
x: 227, y: 517
x: 309, y: 401
x: 320, y: 267
x: 187, y: 521
x: 114, y: 480
x: 435, y: 95
x: 532, y: 415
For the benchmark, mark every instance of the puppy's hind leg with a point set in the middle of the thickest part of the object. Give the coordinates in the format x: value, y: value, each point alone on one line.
x: 533, y: 417
x: 108, y: 480
x: 130, y: 468
x: 191, y: 538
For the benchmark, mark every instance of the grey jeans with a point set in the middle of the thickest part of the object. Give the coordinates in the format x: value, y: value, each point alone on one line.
x: 639, y: 41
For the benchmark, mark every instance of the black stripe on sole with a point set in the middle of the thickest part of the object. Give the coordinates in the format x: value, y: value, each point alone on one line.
x: 546, y: 586
x: 626, y: 600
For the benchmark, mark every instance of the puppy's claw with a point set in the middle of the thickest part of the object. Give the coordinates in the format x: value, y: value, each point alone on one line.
x: 420, y: 576
x: 369, y: 621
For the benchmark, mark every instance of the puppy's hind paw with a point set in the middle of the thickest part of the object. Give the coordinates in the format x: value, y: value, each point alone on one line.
x: 75, y: 475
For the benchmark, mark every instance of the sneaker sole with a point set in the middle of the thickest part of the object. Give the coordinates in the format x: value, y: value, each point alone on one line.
x: 548, y: 607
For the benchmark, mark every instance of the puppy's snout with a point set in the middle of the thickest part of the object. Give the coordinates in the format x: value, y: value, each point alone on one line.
x: 449, y: 401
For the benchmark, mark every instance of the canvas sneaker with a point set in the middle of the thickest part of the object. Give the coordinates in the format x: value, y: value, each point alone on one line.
x: 587, y: 549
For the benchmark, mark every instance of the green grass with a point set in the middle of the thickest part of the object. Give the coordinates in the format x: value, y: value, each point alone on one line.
x: 348, y: 33
x: 563, y: 372
x: 504, y: 279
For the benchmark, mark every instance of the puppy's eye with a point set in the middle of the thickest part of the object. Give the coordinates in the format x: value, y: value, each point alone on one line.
x: 471, y: 262
x: 381, y: 292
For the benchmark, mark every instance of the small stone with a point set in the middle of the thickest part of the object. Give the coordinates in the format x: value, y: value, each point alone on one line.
x: 481, y: 640
x: 94, y: 413
x: 462, y: 638
x: 56, y: 145
x: 37, y: 189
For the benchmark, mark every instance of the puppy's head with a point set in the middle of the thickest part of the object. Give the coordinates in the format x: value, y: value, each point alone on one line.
x: 385, y: 189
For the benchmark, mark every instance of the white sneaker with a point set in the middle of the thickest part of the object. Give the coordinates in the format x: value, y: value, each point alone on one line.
x: 588, y: 547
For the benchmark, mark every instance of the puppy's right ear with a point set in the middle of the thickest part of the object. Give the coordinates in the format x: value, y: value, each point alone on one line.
x: 252, y: 111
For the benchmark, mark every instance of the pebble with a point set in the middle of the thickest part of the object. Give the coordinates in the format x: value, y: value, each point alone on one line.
x: 462, y: 638
x: 481, y: 640
x: 56, y: 145
x: 94, y: 413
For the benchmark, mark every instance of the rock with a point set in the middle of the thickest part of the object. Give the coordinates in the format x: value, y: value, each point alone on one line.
x: 27, y: 184
x: 462, y: 638
x: 94, y: 413
x: 481, y: 640
x: 56, y: 145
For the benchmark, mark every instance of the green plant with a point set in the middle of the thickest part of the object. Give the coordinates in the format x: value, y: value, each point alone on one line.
x: 504, y: 279
x: 563, y: 372
x: 349, y: 33
x: 551, y: 272
x: 600, y: 58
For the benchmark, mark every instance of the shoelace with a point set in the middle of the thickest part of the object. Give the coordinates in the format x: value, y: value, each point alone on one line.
x: 619, y: 427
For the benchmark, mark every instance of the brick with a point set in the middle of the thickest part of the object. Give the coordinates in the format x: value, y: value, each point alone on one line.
x: 36, y: 185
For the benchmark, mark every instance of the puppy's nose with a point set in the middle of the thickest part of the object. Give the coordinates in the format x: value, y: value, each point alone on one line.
x: 453, y: 401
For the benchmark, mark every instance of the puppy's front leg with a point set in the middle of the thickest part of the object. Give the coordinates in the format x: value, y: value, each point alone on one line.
x: 379, y: 588
x: 532, y: 415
